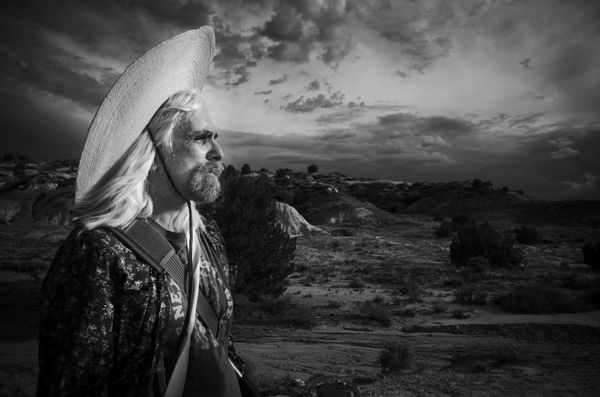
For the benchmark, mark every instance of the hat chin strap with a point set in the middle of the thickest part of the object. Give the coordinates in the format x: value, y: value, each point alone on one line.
x: 190, y: 266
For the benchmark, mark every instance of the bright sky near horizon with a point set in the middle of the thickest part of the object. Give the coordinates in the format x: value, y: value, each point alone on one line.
x: 500, y: 90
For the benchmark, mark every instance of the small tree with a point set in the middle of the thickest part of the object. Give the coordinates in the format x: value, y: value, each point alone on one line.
x: 591, y: 254
x: 283, y: 172
x: 245, y: 169
x: 313, y: 168
x: 246, y: 215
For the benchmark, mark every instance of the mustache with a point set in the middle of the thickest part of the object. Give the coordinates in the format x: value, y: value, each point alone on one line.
x: 212, y: 167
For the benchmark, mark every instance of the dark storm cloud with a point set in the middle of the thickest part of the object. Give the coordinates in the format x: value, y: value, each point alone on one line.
x: 304, y: 105
x: 299, y: 27
x: 236, y: 54
x: 313, y: 85
x: 38, y: 64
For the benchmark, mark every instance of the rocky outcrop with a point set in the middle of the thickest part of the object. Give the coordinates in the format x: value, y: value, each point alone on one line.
x: 292, y: 222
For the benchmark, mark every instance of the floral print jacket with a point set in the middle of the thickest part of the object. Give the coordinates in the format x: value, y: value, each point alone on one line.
x: 104, y: 317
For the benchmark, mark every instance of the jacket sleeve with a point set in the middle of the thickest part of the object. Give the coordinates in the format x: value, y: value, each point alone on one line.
x: 76, y: 322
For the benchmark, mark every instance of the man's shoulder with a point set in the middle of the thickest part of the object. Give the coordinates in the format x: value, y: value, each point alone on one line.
x: 99, y: 240
x: 101, y: 246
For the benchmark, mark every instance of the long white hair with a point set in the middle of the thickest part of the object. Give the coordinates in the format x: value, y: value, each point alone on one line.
x: 121, y: 195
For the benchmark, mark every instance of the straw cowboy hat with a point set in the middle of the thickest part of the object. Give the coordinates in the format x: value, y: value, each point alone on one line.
x: 179, y: 63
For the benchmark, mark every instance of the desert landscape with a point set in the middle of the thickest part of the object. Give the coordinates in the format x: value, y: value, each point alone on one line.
x: 384, y: 288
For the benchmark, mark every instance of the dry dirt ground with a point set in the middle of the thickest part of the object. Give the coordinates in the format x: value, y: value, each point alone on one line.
x: 357, y: 290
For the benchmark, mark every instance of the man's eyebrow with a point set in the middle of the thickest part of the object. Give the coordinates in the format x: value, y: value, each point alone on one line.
x: 205, y: 133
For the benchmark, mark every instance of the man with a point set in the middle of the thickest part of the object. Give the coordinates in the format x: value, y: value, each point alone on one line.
x: 114, y: 322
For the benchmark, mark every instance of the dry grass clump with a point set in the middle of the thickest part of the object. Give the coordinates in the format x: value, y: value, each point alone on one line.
x: 470, y: 295
x: 445, y: 229
x: 527, y: 235
x: 377, y: 312
x: 395, y: 357
x: 356, y: 284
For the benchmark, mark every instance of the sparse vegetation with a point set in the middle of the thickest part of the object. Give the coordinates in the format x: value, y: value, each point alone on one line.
x: 481, y: 358
x: 483, y: 240
x: 356, y: 284
x: 395, y: 357
x: 539, y: 299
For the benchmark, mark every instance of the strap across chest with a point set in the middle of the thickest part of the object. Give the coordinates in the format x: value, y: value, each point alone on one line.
x: 149, y: 244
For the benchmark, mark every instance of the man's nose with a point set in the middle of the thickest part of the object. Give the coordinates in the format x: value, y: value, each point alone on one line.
x: 215, y: 153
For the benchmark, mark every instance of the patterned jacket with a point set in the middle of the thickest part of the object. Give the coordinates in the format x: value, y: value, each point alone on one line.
x: 104, y: 318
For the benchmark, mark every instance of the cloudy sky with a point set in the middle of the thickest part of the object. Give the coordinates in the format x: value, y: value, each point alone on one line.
x: 408, y: 90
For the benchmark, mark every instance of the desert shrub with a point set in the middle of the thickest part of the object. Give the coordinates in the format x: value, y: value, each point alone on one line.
x: 377, y: 312
x: 539, y: 299
x: 507, y: 354
x: 471, y: 295
x: 395, y: 357
x: 592, y: 296
x: 356, y: 283
x: 300, y: 267
x: 591, y: 254
x: 445, y: 229
x: 462, y: 219
x: 410, y: 312
x: 527, y: 235
x: 285, y: 313
x: 344, y: 232
x: 246, y: 169
x: 313, y: 168
x: 438, y: 218
x: 453, y: 282
x: 412, y: 290
x: 474, y: 240
x: 378, y: 299
x: 478, y: 263
x: 440, y: 307
x: 460, y: 314
x: 578, y: 281
x: 246, y: 216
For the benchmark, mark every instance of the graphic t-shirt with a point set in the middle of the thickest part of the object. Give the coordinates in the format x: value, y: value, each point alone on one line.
x: 209, y: 372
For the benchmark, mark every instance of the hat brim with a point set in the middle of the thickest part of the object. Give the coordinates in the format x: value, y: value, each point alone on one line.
x: 177, y: 64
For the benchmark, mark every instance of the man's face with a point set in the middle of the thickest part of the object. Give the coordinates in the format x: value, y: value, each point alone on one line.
x: 195, y: 159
